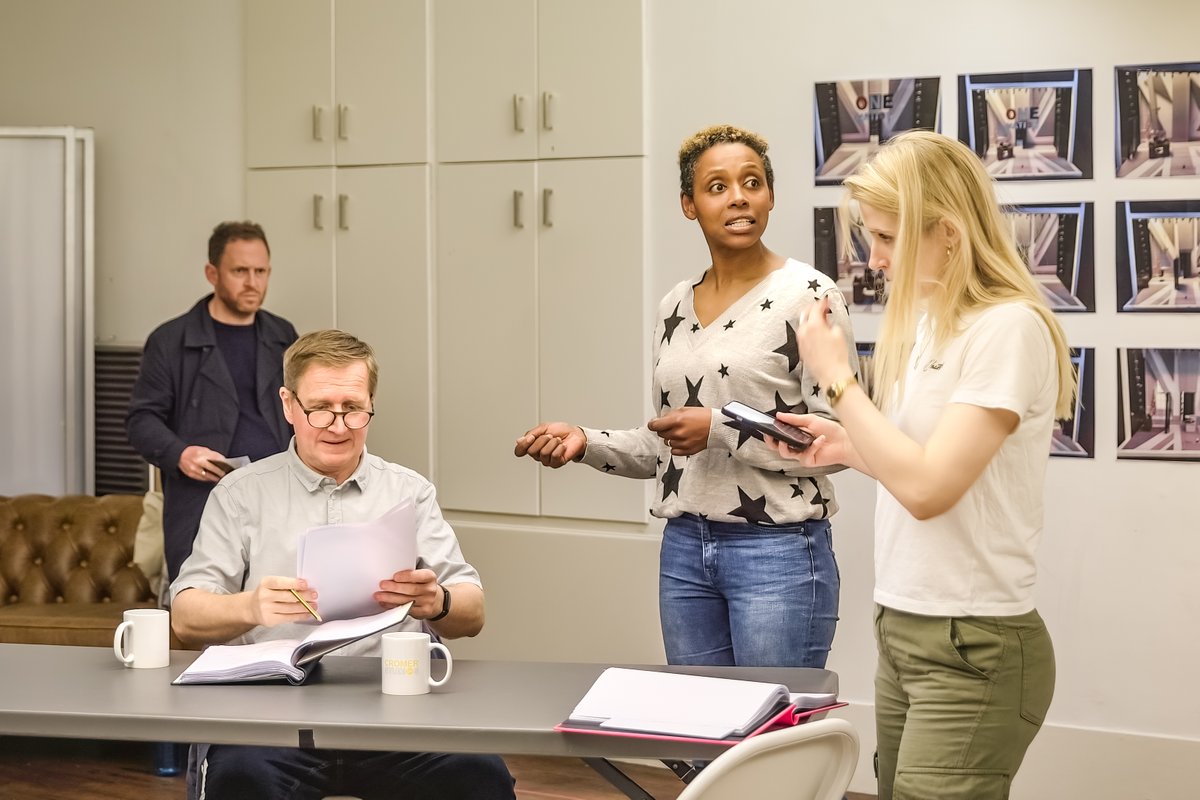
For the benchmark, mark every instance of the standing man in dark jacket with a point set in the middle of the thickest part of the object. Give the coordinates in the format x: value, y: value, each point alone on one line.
x: 208, y: 389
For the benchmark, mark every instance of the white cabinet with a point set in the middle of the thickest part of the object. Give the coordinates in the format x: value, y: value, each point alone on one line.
x: 349, y: 249
x: 540, y: 317
x: 527, y: 79
x: 335, y: 82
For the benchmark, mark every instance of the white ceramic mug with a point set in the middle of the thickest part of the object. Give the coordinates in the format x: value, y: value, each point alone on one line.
x: 406, y: 663
x: 143, y: 640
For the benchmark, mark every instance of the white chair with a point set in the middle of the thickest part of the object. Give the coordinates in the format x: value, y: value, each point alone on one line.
x: 812, y: 761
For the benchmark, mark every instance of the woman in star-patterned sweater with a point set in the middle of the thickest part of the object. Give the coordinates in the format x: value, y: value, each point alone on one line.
x: 747, y: 572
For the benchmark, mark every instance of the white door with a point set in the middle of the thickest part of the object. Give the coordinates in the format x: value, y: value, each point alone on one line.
x: 289, y: 83
x: 593, y: 345
x: 485, y: 79
x: 46, y: 420
x: 486, y: 336
x: 380, y: 74
x: 383, y: 297
x: 590, y: 78
x: 297, y: 208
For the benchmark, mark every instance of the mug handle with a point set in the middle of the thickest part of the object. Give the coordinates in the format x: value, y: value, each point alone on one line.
x: 449, y: 663
x: 118, y: 643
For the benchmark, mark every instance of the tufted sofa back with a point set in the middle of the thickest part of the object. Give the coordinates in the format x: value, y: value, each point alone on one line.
x: 73, y: 557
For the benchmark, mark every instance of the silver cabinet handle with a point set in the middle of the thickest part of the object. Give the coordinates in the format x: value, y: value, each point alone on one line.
x: 318, y: 200
x: 546, y: 195
x: 548, y: 110
x: 518, y: 218
x: 343, y: 121
x: 343, y: 212
x: 519, y: 113
x: 317, y: 134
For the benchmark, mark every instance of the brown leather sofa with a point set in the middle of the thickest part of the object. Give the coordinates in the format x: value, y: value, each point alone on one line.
x: 67, y: 570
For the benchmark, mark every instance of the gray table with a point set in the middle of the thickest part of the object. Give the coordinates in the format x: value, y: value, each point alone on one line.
x: 487, y: 707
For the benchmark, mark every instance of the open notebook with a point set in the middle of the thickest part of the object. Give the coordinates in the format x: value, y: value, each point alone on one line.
x: 291, y: 659
x: 663, y: 704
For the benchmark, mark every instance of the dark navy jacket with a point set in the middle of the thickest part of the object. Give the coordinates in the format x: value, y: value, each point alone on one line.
x: 185, y: 395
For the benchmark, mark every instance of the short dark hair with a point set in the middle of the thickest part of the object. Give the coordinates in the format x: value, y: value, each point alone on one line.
x: 695, y: 145
x: 228, y: 232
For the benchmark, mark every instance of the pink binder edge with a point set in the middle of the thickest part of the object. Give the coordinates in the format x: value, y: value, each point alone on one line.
x: 786, y: 718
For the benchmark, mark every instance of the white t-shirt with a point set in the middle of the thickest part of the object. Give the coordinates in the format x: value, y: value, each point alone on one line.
x: 976, y: 559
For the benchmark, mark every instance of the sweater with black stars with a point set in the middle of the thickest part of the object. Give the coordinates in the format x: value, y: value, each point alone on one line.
x: 748, y: 353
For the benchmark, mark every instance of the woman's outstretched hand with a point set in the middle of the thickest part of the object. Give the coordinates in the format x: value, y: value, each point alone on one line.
x: 552, y: 443
x: 831, y: 445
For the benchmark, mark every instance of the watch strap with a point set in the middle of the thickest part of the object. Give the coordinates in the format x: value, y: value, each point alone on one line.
x: 445, y: 604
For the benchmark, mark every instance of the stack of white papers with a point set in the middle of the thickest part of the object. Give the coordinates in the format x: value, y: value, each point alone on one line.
x: 293, y: 659
x: 671, y: 704
x: 345, y: 562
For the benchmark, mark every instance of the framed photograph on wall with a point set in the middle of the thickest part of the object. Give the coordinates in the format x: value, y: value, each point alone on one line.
x: 1158, y: 256
x: 852, y: 118
x: 1156, y: 404
x: 1158, y: 120
x: 1076, y: 437
x: 842, y: 252
x: 1057, y: 244
x: 1029, y: 125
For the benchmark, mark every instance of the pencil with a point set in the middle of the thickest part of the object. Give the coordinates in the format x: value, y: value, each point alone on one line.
x: 307, y: 607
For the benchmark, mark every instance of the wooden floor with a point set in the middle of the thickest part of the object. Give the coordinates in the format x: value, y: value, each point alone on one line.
x: 53, y: 769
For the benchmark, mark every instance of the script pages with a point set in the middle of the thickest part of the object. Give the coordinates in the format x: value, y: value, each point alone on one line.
x: 674, y: 705
x: 345, y: 562
x: 291, y: 659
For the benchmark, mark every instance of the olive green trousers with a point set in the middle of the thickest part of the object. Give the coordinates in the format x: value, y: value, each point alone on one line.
x: 957, y: 702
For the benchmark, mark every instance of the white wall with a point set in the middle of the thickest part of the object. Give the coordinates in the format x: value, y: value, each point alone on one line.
x: 161, y: 84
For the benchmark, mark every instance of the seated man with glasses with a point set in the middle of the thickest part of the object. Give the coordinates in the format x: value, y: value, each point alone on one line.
x: 236, y: 585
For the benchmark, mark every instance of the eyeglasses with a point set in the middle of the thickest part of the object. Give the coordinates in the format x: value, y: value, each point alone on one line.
x: 323, y: 417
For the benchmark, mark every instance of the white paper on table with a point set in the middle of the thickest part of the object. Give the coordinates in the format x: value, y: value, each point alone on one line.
x: 344, y: 562
x: 677, y: 704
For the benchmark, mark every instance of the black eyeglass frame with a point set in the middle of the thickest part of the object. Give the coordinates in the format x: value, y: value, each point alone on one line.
x: 308, y: 412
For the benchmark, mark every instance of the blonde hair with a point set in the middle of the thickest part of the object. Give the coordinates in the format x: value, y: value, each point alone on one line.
x: 695, y: 146
x: 328, y: 348
x: 925, y: 179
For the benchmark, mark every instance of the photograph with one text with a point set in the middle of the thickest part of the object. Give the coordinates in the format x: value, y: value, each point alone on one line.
x: 1158, y: 120
x: 1156, y: 404
x: 852, y: 118
x: 1158, y: 256
x: 1028, y: 125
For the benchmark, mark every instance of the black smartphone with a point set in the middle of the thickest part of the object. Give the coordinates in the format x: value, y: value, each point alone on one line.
x: 751, y: 419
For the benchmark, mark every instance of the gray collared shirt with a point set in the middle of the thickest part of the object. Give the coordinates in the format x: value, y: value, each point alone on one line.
x: 255, y: 515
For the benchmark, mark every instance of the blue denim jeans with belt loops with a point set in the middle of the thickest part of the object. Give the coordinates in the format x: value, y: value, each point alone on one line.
x: 739, y: 594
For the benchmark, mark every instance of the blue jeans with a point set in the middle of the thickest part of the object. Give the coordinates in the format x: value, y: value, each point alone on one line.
x: 737, y: 594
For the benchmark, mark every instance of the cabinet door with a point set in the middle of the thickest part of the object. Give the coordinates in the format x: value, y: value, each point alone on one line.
x: 380, y: 75
x: 295, y: 208
x: 383, y: 298
x: 590, y: 78
x: 485, y: 75
x: 592, y: 339
x: 486, y: 336
x: 289, y: 83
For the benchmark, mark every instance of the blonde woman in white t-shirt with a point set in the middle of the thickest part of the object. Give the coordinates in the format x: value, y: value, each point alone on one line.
x: 970, y: 371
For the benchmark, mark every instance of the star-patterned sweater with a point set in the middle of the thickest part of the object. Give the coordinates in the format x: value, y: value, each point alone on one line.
x: 748, y: 353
